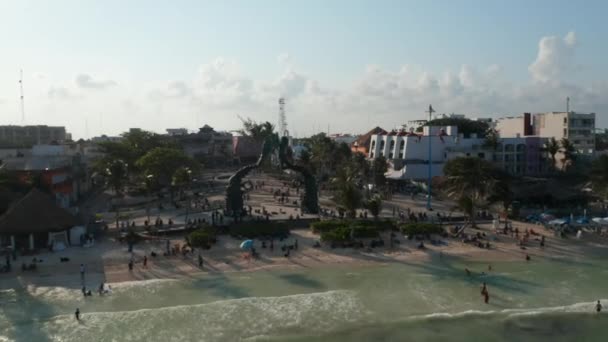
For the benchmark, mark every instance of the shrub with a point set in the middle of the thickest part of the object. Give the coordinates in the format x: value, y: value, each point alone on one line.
x: 425, y: 229
x: 201, y: 238
x: 340, y: 234
x: 254, y: 229
x: 325, y: 226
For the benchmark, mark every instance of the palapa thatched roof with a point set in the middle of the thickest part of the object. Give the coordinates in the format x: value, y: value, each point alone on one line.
x: 35, y: 212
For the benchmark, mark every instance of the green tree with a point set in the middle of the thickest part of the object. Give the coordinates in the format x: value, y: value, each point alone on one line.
x: 116, y: 178
x: 568, y: 151
x: 379, y: 169
x: 182, y: 178
x: 551, y: 147
x: 599, y: 175
x: 162, y: 162
x: 374, y: 205
x: 348, y: 195
x: 492, y: 139
x: 470, y: 181
x: 258, y: 131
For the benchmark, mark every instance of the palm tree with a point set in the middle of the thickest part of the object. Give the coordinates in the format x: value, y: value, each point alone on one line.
x: 348, y: 195
x: 374, y: 205
x: 116, y: 173
x: 470, y: 181
x: 599, y: 175
x: 181, y: 179
x: 551, y: 147
x: 568, y: 150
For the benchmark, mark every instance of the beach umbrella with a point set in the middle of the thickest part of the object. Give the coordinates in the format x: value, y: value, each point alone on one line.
x: 247, y: 244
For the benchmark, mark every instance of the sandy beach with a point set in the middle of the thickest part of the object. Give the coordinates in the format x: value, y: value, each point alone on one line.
x: 107, y: 261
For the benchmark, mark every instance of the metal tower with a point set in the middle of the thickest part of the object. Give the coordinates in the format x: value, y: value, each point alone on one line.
x: 282, y: 127
x: 22, y: 99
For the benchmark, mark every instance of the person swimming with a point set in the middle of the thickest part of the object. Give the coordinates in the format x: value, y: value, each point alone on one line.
x: 598, y: 307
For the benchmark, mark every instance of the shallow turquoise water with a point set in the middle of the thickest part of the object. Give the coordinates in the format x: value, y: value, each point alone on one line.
x: 435, y: 301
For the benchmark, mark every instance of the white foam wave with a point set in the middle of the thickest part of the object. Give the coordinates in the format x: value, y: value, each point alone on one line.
x: 583, y: 307
x: 223, y: 320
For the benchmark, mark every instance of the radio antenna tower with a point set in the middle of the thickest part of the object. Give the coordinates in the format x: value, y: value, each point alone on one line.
x: 283, y: 132
x: 22, y: 99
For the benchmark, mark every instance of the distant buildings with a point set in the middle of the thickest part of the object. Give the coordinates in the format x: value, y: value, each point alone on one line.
x: 27, y: 136
x: 207, y: 145
x: 343, y: 138
x: 362, y: 143
x: 409, y: 153
x: 578, y: 128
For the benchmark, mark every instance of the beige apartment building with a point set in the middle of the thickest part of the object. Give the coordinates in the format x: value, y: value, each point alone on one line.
x: 577, y: 127
x: 27, y: 136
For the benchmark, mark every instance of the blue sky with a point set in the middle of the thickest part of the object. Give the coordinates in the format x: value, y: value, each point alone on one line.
x: 109, y: 65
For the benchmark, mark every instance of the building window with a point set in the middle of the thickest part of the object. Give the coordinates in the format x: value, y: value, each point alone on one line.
x: 565, y: 132
x: 382, y: 145
x: 372, y: 155
x: 373, y: 144
x: 565, y: 121
x: 390, y: 155
x: 402, y: 144
x: 392, y: 144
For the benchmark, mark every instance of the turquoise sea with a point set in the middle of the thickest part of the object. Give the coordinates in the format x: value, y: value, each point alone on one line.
x: 433, y: 301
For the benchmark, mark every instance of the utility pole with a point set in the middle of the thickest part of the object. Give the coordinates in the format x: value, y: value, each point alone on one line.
x: 428, y: 199
x: 568, y: 104
x: 22, y: 98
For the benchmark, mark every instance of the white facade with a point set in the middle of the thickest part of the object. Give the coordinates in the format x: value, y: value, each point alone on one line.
x: 410, y: 153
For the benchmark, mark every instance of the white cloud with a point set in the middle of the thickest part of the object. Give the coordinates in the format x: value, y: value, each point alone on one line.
x: 555, y: 58
x: 62, y: 93
x: 284, y: 59
x: 86, y: 81
x: 220, y: 90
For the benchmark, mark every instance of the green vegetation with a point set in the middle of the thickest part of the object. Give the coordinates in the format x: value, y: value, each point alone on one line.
x: 374, y: 205
x: 257, y: 229
x: 348, y: 196
x: 345, y: 230
x: 426, y: 229
x: 465, y: 126
x: 474, y: 183
x: 202, y: 238
x: 599, y: 176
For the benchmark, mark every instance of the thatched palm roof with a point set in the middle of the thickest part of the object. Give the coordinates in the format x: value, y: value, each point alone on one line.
x: 35, y: 212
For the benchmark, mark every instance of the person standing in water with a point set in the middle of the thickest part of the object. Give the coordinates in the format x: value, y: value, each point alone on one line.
x: 145, y: 261
x: 200, y: 260
x: 484, y: 289
x: 77, y: 314
x: 598, y: 307
x: 486, y: 297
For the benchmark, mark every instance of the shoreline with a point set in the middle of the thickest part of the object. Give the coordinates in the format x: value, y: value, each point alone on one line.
x: 107, y: 261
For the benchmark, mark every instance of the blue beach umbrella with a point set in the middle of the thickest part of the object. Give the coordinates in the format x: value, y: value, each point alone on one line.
x: 247, y: 244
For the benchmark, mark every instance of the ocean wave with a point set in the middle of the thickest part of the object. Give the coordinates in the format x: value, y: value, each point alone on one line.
x: 576, y: 308
x: 217, y: 321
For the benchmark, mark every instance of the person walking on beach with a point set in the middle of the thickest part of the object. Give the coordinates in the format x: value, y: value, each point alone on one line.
x: 145, y: 261
x: 82, y: 270
x: 77, y: 314
x: 130, y: 265
x: 484, y: 289
x: 598, y: 307
x: 200, y: 260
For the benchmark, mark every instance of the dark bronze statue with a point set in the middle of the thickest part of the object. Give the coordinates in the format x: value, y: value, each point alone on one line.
x: 236, y: 187
x: 310, y: 202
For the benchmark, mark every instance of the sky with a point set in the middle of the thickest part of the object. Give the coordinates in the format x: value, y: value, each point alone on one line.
x: 102, y: 67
